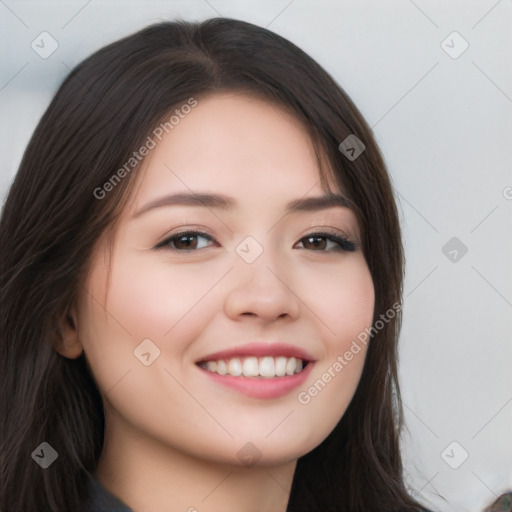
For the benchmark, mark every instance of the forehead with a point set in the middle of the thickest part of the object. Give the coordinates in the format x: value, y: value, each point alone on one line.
x: 236, y: 145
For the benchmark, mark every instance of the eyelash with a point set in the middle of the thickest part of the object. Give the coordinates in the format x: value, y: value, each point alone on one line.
x: 344, y: 244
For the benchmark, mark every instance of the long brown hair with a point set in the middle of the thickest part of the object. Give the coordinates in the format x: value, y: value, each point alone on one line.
x: 51, y: 221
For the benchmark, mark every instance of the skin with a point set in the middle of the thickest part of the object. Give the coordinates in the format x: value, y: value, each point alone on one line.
x: 172, y: 434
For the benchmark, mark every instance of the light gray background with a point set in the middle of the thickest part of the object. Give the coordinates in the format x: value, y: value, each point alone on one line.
x: 444, y: 125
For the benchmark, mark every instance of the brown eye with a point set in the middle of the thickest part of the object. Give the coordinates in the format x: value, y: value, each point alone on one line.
x: 320, y: 241
x: 185, y: 241
x: 315, y: 242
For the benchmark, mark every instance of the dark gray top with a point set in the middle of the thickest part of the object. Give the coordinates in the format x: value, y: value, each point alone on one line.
x: 101, y: 500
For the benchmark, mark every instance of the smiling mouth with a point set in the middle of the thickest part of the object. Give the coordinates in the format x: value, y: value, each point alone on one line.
x: 267, y: 367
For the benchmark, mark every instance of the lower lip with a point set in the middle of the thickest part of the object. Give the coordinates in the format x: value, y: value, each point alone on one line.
x: 258, y: 387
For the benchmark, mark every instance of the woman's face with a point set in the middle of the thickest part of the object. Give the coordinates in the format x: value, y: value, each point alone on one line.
x: 168, y: 323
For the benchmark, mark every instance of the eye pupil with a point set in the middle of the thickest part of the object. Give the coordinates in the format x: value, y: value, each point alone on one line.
x: 188, y: 245
x: 317, y: 238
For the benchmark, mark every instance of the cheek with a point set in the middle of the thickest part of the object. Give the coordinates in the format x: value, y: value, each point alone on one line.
x: 345, y: 306
x: 165, y: 303
x: 151, y: 299
x: 342, y: 301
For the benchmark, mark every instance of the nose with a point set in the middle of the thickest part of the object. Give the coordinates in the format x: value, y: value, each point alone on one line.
x: 263, y: 289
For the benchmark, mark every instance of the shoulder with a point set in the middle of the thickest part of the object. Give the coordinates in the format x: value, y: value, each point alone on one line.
x: 101, y: 500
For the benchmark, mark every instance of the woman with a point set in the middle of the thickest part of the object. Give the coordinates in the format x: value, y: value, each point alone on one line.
x: 201, y: 284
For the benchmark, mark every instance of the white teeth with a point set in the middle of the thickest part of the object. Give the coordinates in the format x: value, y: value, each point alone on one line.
x: 234, y: 367
x: 291, y: 366
x: 250, y: 367
x: 211, y: 366
x: 267, y: 367
x: 222, y: 367
x: 280, y: 366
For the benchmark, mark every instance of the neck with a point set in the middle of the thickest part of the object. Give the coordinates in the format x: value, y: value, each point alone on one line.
x: 148, y: 475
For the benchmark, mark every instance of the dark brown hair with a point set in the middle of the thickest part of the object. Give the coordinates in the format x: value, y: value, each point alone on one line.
x: 51, y: 221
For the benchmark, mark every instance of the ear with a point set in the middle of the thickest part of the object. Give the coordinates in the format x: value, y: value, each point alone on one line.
x: 67, y: 343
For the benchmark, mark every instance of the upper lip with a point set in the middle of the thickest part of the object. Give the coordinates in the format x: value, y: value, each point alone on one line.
x: 260, y: 350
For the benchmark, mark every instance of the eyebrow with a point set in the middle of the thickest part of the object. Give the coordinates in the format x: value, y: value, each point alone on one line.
x: 222, y: 202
